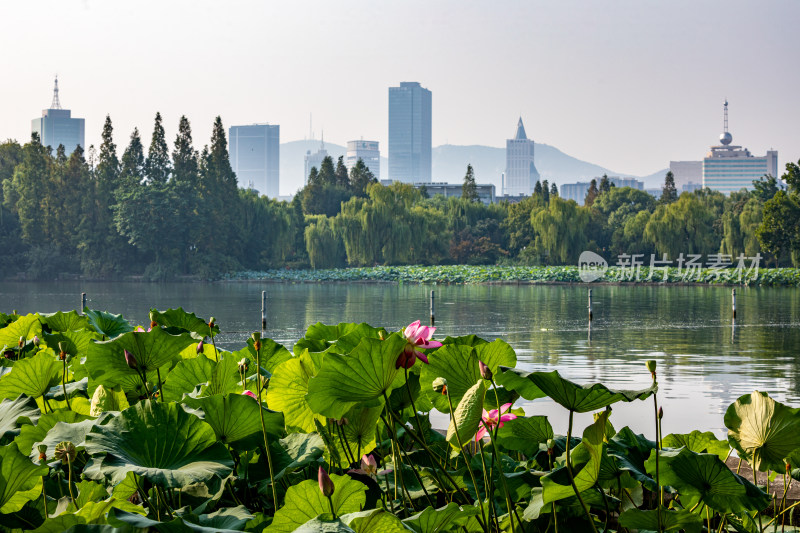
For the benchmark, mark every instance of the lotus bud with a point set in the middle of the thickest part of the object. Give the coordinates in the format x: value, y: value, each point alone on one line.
x: 250, y: 393
x: 21, y: 342
x: 211, y: 323
x: 660, y: 413
x: 62, y: 355
x: 382, y: 335
x: 42, y: 452
x: 153, y: 323
x: 342, y: 421
x: 244, y: 364
x: 130, y: 360
x: 439, y: 385
x: 551, y: 446
x: 65, y: 451
x: 256, y: 336
x: 325, y: 483
x: 651, y: 365
x: 36, y: 340
x: 200, y: 347
x: 788, y: 468
x: 486, y: 372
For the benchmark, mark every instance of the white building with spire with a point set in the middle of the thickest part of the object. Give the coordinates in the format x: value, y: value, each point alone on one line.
x: 314, y: 160
x: 521, y: 174
x: 57, y: 127
x: 729, y: 168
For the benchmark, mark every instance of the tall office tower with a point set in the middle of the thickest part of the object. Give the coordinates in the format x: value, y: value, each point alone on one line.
x: 314, y: 160
x: 368, y: 152
x: 255, y: 156
x: 58, y: 127
x: 410, y: 133
x: 728, y: 168
x: 521, y: 174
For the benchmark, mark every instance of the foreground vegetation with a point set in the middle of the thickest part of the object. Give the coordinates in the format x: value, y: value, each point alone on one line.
x: 160, y: 214
x: 107, y: 427
x: 529, y: 274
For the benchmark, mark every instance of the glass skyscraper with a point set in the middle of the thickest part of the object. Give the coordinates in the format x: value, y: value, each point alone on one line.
x: 367, y: 151
x: 255, y: 157
x: 410, y: 133
x: 57, y: 127
x: 521, y: 174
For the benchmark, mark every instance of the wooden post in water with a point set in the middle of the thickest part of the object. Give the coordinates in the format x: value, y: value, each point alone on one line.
x: 733, y: 302
x: 590, y: 305
x: 433, y: 315
x: 83, y: 302
x: 263, y: 310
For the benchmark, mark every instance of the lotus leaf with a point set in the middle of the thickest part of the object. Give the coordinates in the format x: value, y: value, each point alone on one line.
x: 60, y: 321
x: 578, y: 398
x: 432, y: 520
x: 17, y: 413
x: 374, y: 521
x: 75, y: 343
x: 235, y: 419
x: 272, y: 354
x: 287, y: 393
x: 32, y: 376
x: 358, y: 435
x: 20, y: 479
x: 324, y: 524
x: 671, y: 520
x: 763, y: 431
x: 160, y: 442
x: 630, y: 451
x: 467, y: 415
x: 698, y: 442
x: 62, y: 431
x: 29, y: 435
x: 304, y: 502
x: 187, y: 375
x: 26, y: 326
x: 360, y: 378
x: 178, y: 320
x: 106, y: 324
x: 525, y: 434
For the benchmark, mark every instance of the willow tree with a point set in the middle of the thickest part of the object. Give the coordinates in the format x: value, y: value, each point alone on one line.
x: 325, y: 248
x: 561, y: 228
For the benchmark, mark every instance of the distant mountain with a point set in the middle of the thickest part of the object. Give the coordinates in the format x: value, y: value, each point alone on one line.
x: 450, y: 164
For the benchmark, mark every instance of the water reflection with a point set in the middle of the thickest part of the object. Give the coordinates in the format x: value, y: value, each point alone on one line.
x: 706, y: 358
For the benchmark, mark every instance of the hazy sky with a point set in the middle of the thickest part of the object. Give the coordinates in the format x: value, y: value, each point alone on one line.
x: 628, y: 84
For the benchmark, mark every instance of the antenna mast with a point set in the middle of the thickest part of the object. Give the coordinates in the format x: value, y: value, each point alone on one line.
x: 56, y: 104
x: 726, y: 116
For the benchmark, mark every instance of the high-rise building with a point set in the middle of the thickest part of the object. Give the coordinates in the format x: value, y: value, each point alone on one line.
x: 314, y: 160
x: 686, y: 172
x: 255, y: 157
x: 521, y: 174
x: 57, y: 127
x: 368, y: 152
x: 410, y: 133
x: 728, y: 168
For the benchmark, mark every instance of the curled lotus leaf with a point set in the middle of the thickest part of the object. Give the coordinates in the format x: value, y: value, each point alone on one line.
x: 107, y: 324
x: 61, y: 321
x: 17, y: 413
x: 446, y: 518
x: 32, y: 376
x: 20, y: 479
x: 160, y: 442
x: 467, y: 416
x: 26, y: 326
x: 178, y: 320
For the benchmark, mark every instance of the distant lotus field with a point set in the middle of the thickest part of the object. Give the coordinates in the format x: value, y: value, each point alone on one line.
x: 111, y: 426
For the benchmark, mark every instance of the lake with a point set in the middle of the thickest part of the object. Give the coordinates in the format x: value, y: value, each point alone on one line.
x: 705, y: 359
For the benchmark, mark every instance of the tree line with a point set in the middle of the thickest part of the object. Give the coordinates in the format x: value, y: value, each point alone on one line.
x: 162, y: 213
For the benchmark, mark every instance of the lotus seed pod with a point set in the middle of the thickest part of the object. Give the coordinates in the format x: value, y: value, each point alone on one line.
x: 42, y: 452
x: 211, y: 322
x: 486, y: 372
x: 551, y: 444
x: 130, y: 360
x: 651, y: 365
x: 65, y: 451
x: 439, y: 385
x: 325, y: 483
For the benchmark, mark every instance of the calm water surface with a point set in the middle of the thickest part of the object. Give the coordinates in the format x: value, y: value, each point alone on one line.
x: 705, y: 360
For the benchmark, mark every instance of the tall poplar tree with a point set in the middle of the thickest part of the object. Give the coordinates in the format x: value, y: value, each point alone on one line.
x: 132, y: 171
x: 157, y: 167
x: 469, y: 190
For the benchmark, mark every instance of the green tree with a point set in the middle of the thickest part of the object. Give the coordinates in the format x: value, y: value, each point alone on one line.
x: 133, y: 160
x: 669, y: 193
x: 561, y: 228
x: 537, y: 189
x: 554, y: 190
x: 684, y: 226
x: 591, y: 194
x: 157, y: 167
x: 545, y: 192
x: 765, y: 187
x: 779, y: 232
x: 342, y: 176
x: 605, y: 184
x: 360, y: 178
x: 469, y: 190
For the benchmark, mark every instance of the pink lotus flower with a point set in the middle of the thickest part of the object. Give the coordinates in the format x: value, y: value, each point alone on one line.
x: 369, y: 467
x: 326, y: 485
x: 418, y: 337
x: 494, y: 418
x: 251, y: 394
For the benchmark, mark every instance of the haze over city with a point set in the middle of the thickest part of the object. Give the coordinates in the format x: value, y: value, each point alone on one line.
x: 629, y: 85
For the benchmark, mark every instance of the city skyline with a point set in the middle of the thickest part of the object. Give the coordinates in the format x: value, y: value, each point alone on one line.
x: 630, y: 88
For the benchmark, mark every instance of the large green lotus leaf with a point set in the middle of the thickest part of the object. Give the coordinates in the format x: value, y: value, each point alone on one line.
x: 178, y: 319
x: 74, y: 432
x: 235, y: 419
x: 90, y: 518
x: 60, y: 321
x: 671, y: 520
x: 271, y: 356
x: 75, y: 343
x: 464, y: 340
x: 304, y: 501
x: 104, y: 400
x: 105, y: 360
x: 374, y: 521
x: 698, y: 442
x: 325, y: 523
x: 525, y: 434
x: 458, y: 364
x: 362, y: 377
x: 291, y: 453
x: 89, y: 491
x: 631, y: 451
x: 107, y: 324
x: 20, y: 479
x: 160, y: 442
x: 359, y: 432
x: 585, y: 458
x: 17, y: 413
x: 30, y: 435
x: 124, y: 520
x: 27, y: 327
x: 445, y: 518
x: 287, y: 393
x: 704, y: 477
x: 186, y: 375
x: 347, y: 342
x: 763, y: 431
x: 466, y: 417
x: 224, y: 378
x: 578, y: 398
x: 32, y: 376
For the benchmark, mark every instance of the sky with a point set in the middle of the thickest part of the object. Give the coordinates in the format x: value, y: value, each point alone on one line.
x: 626, y: 84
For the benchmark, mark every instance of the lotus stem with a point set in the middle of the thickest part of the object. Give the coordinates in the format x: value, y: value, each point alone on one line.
x: 396, y: 461
x: 263, y: 426
x: 550, y: 465
x: 795, y: 504
x: 69, y: 482
x: 163, y: 499
x: 511, y: 509
x: 489, y: 488
x: 44, y: 497
x: 213, y: 343
x: 333, y: 512
x: 419, y: 480
x: 414, y: 407
x: 345, y: 444
x: 160, y: 390
x: 464, y: 455
x: 572, y: 477
x: 64, y: 384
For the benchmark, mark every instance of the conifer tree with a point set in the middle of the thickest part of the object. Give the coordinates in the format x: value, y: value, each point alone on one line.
x: 360, y: 177
x: 342, y: 177
x: 184, y: 156
x: 545, y: 192
x: 133, y: 161
x: 157, y: 167
x: 537, y: 189
x: 605, y: 184
x: 469, y: 190
x: 554, y: 190
x: 591, y: 194
x: 327, y: 174
x: 669, y: 193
